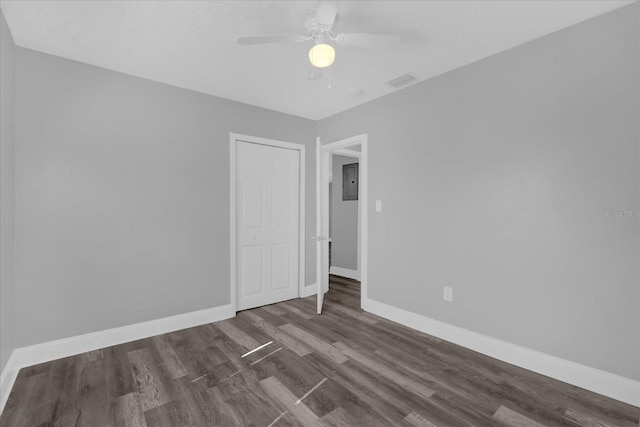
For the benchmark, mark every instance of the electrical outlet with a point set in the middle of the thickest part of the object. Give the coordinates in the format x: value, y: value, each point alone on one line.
x: 448, y: 294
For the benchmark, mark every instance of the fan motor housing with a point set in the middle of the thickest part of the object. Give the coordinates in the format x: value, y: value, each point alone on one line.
x: 314, y: 27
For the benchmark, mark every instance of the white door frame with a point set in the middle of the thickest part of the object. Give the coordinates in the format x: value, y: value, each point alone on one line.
x: 342, y: 147
x: 234, y: 138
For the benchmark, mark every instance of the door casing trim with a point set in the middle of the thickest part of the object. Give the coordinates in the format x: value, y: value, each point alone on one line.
x: 234, y: 138
x: 342, y: 147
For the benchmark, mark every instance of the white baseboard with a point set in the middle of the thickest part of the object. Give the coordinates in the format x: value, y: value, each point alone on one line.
x: 345, y: 272
x: 52, y: 350
x: 598, y: 381
x: 7, y: 378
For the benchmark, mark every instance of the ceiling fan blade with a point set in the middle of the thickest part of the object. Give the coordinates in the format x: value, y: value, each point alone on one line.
x: 326, y: 14
x: 283, y: 38
x: 367, y: 41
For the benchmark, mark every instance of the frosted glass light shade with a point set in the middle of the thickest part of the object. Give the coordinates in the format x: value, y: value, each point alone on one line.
x: 322, y: 55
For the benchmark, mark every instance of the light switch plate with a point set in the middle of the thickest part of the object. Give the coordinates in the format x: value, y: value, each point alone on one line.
x: 378, y: 205
x: 448, y: 294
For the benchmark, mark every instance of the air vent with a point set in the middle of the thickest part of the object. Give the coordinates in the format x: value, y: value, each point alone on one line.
x: 401, y: 81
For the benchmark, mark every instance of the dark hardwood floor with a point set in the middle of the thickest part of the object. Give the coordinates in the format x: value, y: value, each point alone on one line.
x: 343, y: 368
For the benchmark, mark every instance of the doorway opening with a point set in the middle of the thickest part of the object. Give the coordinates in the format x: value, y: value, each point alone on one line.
x: 344, y: 205
x: 354, y: 148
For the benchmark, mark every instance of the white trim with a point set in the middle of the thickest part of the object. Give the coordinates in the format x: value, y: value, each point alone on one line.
x: 265, y: 141
x: 52, y: 350
x: 232, y: 222
x: 363, y: 203
x: 344, y: 272
x: 598, y: 381
x: 319, y: 249
x: 363, y: 249
x: 233, y: 139
x: 7, y: 379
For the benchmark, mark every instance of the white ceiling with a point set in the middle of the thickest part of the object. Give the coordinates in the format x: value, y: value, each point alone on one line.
x: 191, y: 44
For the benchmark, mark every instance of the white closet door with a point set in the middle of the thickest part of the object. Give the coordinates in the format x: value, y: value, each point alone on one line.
x: 267, y: 224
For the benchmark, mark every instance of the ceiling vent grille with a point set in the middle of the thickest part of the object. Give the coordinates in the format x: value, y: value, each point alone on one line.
x: 402, y: 81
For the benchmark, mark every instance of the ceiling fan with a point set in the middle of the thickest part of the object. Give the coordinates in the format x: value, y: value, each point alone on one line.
x: 319, y: 24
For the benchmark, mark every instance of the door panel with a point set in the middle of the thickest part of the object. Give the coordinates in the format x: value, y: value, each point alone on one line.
x: 322, y: 224
x: 281, y: 212
x: 250, y: 274
x: 267, y: 224
x: 280, y: 262
x: 326, y: 156
x: 251, y: 194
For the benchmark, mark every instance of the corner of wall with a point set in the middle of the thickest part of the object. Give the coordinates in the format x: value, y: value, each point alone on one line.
x: 7, y: 192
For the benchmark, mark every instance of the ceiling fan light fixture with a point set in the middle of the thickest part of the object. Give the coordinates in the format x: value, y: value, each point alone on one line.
x: 322, y: 55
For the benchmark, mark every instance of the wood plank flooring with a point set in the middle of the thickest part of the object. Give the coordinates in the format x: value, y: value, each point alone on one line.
x: 282, y: 365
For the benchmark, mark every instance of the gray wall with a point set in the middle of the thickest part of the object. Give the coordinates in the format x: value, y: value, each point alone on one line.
x: 122, y: 196
x: 344, y: 220
x: 495, y: 179
x: 7, y: 195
